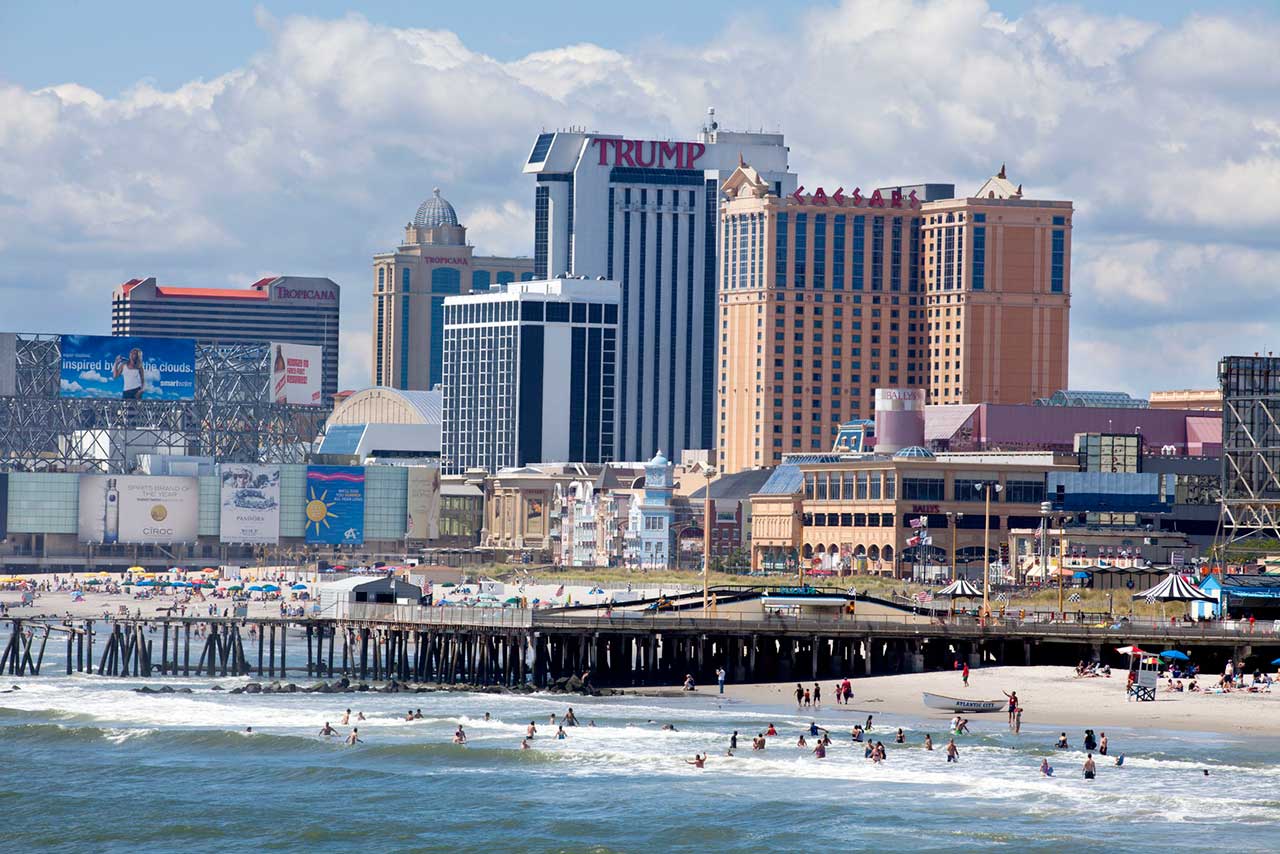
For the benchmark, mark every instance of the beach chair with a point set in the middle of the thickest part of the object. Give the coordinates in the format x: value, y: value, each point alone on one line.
x: 1139, y: 692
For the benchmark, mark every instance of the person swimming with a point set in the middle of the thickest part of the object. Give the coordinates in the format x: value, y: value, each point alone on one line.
x: 486, y: 716
x: 1062, y: 742
x: 570, y: 719
x: 1119, y: 760
x: 819, y: 750
x: 771, y: 730
x: 802, y: 742
x: 327, y: 729
x: 459, y: 737
x: 359, y: 716
x: 417, y: 716
x: 699, y: 760
x: 346, y: 718
x: 355, y: 738
x: 813, y: 727
x: 1045, y: 768
x: 901, y: 737
x: 531, y: 730
x: 409, y: 716
x: 560, y: 733
x: 524, y: 744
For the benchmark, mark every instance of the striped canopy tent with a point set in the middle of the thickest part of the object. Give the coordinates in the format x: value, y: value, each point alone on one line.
x: 1174, y: 588
x: 959, y: 589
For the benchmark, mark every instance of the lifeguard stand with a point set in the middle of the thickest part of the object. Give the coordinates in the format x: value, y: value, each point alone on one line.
x: 1146, y: 670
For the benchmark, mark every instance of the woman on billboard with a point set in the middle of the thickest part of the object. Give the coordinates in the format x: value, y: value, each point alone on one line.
x: 132, y: 371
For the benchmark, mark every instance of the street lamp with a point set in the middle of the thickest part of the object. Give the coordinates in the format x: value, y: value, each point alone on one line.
x: 953, y: 519
x: 986, y: 487
x: 1045, y: 508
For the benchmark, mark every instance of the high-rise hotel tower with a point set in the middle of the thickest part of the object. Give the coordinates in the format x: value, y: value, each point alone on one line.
x: 827, y: 295
x: 644, y: 213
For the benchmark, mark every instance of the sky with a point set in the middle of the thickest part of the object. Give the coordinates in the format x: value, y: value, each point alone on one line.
x: 211, y: 145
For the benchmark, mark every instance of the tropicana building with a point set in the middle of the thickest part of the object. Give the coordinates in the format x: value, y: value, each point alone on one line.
x: 826, y: 296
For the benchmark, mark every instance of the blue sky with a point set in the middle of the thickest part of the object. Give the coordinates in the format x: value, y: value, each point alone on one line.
x: 213, y: 144
x: 111, y: 46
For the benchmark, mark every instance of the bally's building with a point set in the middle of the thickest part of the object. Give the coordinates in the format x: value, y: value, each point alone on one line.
x: 645, y: 214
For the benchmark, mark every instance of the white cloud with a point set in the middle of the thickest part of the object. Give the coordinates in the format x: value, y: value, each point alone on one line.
x: 94, y: 377
x: 311, y: 156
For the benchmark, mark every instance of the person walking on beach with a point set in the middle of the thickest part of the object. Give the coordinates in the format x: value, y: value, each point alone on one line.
x: 964, y: 674
x: 799, y: 695
x: 953, y: 752
x: 1090, y: 768
x: 817, y: 695
x: 720, y: 678
x: 807, y: 700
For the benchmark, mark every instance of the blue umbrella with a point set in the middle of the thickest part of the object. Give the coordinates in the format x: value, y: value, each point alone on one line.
x: 298, y: 586
x: 256, y: 588
x: 1277, y: 661
x: 1174, y: 655
x: 270, y: 588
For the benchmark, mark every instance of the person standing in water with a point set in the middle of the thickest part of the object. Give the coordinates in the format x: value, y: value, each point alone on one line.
x: 355, y: 738
x: 928, y: 741
x: 699, y: 760
x: 953, y: 752
x: 799, y: 695
x: 1102, y: 744
x: 733, y: 740
x: 1090, y: 768
x: 1045, y: 768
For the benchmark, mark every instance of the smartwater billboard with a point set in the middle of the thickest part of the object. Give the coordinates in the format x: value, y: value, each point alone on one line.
x: 250, y: 504
x: 295, y: 373
x: 127, y: 368
x: 335, y: 505
x: 138, y: 509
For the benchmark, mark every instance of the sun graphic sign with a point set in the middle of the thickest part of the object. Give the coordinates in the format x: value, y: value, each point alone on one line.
x: 335, y: 505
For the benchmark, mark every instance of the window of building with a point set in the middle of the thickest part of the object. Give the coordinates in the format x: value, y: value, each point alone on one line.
x: 923, y: 488
x: 1058, y: 268
x: 1025, y: 491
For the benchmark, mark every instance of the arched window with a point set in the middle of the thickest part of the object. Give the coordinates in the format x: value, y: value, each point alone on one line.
x: 887, y: 553
x: 479, y: 280
x: 526, y: 277
x: 505, y: 276
x: 873, y: 553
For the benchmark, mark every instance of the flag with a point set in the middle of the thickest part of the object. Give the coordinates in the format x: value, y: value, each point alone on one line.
x: 920, y: 522
x: 926, y: 540
x: 913, y: 541
x: 560, y: 590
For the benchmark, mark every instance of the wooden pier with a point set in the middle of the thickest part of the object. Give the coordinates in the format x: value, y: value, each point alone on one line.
x: 512, y: 647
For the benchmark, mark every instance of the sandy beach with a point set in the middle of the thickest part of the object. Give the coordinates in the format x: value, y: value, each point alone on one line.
x: 1050, y: 696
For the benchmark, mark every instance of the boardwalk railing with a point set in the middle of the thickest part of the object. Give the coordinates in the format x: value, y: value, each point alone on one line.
x: 900, y: 625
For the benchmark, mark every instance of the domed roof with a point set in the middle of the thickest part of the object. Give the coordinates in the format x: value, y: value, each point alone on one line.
x: 915, y: 451
x: 659, y: 460
x: 435, y: 212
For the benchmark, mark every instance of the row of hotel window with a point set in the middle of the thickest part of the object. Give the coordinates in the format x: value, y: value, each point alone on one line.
x: 882, y: 486
x: 448, y: 280
x: 744, y: 271
x: 533, y: 311
x: 972, y: 522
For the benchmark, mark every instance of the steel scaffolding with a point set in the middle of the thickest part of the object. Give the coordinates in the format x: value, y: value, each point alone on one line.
x: 1250, y: 505
x: 231, y: 419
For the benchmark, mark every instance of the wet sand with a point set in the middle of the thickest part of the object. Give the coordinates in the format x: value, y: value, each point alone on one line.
x: 1049, y: 696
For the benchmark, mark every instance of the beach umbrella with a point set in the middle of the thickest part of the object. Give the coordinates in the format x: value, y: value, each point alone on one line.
x: 271, y: 588
x: 1174, y: 655
x: 1277, y: 661
x: 104, y: 575
x: 298, y: 586
x: 178, y: 583
x: 146, y: 583
x: 255, y: 588
x: 1130, y: 650
x: 960, y: 589
x: 135, y: 569
x: 235, y: 586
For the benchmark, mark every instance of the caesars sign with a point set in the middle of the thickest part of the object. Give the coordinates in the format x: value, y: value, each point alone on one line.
x: 250, y: 504
x: 295, y: 373
x: 125, y: 368
x: 423, y: 522
x: 139, y: 509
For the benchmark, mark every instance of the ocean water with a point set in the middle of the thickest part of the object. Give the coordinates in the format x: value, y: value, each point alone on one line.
x: 88, y: 765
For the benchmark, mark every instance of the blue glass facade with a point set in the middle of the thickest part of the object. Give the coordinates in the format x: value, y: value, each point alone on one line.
x: 1058, y: 261
x: 444, y: 280
x: 979, y: 272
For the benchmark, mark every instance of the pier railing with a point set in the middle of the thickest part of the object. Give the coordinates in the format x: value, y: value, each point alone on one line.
x: 898, y: 625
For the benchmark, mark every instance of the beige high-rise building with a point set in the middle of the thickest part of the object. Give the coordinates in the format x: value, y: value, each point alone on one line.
x: 826, y: 296
x: 998, y: 291
x: 410, y: 285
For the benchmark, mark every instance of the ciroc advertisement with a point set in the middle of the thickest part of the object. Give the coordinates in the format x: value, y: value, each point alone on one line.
x: 138, y: 509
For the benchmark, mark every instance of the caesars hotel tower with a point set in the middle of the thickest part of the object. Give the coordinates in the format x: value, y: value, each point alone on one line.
x: 644, y: 213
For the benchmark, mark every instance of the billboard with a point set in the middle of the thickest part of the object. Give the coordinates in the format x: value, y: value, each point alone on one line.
x: 250, y: 504
x: 423, y: 521
x: 295, y: 373
x: 335, y: 505
x: 127, y: 368
x: 138, y: 509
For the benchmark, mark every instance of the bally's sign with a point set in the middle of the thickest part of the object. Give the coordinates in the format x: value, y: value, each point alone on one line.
x: 648, y: 154
x: 875, y: 200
